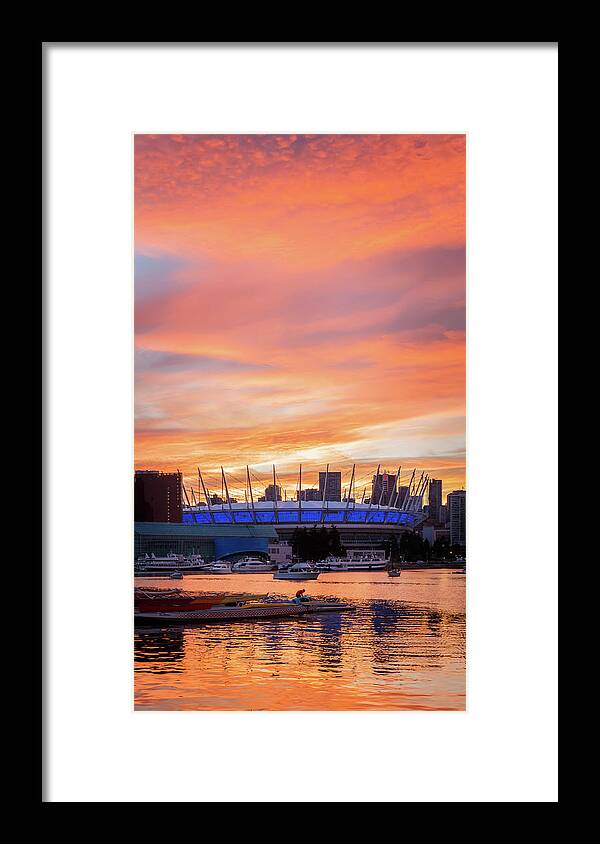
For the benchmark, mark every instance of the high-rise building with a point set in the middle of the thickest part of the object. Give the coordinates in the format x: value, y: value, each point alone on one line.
x: 435, y: 499
x: 457, y: 516
x: 383, y: 488
x: 157, y: 496
x: 402, y: 496
x: 273, y: 493
x: 334, y: 486
x: 443, y: 514
x: 310, y: 495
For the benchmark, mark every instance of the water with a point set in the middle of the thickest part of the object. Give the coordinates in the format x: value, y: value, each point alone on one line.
x: 403, y: 648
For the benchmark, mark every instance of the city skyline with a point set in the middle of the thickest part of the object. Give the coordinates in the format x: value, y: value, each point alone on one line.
x: 300, y: 299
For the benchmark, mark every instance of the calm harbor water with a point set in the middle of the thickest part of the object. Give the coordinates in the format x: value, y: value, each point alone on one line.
x: 402, y: 648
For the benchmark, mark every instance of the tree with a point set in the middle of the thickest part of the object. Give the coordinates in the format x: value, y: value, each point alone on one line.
x: 412, y: 546
x: 441, y: 549
x: 336, y: 549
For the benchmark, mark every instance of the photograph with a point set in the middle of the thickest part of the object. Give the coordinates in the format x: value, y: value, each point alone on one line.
x: 299, y: 478
x: 298, y: 300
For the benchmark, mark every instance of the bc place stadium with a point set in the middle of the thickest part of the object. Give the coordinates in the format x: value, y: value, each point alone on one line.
x: 219, y: 524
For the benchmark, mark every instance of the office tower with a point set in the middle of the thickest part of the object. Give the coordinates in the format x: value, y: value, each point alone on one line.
x: 157, y: 496
x: 456, y: 503
x: 310, y: 495
x: 334, y: 486
x: 383, y: 488
x: 273, y: 493
x: 435, y: 499
x: 402, y: 496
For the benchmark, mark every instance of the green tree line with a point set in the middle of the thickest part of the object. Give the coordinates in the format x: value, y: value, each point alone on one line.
x: 317, y: 544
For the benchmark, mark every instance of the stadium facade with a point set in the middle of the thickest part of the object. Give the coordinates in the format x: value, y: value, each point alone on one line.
x: 360, y: 524
x: 221, y: 527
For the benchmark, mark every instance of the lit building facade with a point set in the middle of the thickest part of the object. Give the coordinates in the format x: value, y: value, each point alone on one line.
x: 457, y: 516
x: 157, y: 496
x: 334, y: 486
x: 435, y: 499
x: 383, y: 488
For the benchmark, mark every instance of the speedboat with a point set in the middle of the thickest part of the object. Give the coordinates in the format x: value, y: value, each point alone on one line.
x: 252, y: 564
x: 394, y: 572
x: 297, y: 571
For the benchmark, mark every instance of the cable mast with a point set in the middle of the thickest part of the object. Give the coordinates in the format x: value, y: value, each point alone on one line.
x: 350, y: 487
x: 394, y: 498
x: 250, y: 488
x: 206, y: 495
x: 224, y: 480
x: 324, y: 497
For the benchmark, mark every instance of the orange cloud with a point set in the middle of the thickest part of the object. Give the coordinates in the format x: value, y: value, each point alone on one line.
x: 300, y: 297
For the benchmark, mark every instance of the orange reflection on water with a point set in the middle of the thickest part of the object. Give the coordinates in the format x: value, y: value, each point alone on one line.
x: 402, y: 648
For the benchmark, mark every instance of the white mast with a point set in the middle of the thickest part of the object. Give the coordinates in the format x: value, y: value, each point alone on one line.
x: 186, y: 495
x: 324, y: 499
x: 351, y: 482
x: 381, y: 493
x: 226, y: 490
x: 206, y: 495
x: 405, y: 499
x: 415, y: 495
x: 250, y: 488
x: 392, y: 501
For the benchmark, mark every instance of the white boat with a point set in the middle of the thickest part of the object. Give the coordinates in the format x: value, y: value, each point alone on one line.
x: 219, y: 567
x: 251, y: 564
x: 394, y: 572
x: 297, y: 571
x: 333, y: 564
x: 168, y: 563
x: 176, y: 575
x: 367, y: 561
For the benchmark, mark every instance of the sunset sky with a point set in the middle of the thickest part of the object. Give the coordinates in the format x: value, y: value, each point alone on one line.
x: 300, y: 298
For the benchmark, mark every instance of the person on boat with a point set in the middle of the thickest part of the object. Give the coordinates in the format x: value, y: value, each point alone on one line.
x: 299, y: 597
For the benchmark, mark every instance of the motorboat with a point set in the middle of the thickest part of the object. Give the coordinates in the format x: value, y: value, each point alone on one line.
x: 333, y: 564
x: 394, y: 572
x: 149, y: 563
x: 367, y: 561
x: 297, y: 571
x: 218, y: 567
x: 251, y: 564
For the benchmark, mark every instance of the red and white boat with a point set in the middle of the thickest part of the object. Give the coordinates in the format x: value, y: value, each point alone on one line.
x: 176, y: 600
